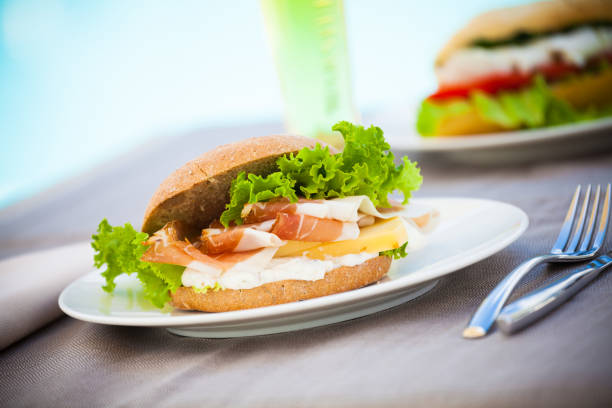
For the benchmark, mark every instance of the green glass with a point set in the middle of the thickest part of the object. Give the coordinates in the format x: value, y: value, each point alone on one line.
x: 308, y: 40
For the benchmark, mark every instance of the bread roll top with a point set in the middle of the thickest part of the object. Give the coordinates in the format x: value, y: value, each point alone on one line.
x: 197, y: 192
x: 535, y: 18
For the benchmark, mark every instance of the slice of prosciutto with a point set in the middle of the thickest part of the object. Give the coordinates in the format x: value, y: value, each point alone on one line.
x: 171, y: 253
x: 171, y: 245
x: 273, y: 233
x: 347, y: 209
x: 258, y: 212
x: 341, y: 209
x: 300, y: 227
x: 239, y: 239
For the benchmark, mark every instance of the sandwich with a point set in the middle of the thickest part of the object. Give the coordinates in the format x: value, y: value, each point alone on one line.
x: 535, y: 65
x: 270, y: 220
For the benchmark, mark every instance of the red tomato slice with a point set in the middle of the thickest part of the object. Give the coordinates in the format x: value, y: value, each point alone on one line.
x: 508, y: 81
x: 490, y: 84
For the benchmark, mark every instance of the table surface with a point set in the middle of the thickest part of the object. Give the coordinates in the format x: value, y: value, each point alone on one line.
x: 411, y: 355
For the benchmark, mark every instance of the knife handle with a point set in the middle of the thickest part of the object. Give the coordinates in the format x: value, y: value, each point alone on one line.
x: 540, y: 302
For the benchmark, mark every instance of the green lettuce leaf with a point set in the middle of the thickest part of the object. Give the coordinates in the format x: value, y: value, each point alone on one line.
x: 364, y: 167
x: 396, y: 253
x: 120, y: 249
x: 313, y: 171
x: 431, y: 113
x: 215, y: 288
x: 252, y: 189
x: 531, y: 107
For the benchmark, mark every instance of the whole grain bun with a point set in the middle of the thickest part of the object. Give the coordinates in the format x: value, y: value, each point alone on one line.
x: 337, y: 280
x: 533, y: 18
x: 197, y: 192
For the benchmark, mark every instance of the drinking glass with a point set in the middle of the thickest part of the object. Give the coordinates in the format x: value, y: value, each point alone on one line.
x: 308, y: 41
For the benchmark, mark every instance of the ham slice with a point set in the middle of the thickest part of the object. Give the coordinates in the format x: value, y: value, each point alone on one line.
x: 239, y: 239
x: 341, y: 209
x: 172, y: 253
x: 347, y: 209
x: 299, y: 227
x: 171, y: 245
x: 258, y: 212
x: 215, y: 241
x: 272, y: 233
x: 168, y: 245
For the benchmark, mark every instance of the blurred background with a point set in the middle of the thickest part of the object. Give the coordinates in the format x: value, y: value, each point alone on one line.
x: 84, y: 82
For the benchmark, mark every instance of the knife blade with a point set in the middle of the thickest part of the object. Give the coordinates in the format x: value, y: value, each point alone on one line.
x: 540, y: 302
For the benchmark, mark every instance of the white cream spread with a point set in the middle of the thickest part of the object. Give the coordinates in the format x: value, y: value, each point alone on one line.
x: 265, y: 269
x: 574, y: 47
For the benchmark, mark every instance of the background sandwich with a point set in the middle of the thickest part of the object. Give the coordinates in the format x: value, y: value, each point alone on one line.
x: 270, y: 220
x: 540, y: 64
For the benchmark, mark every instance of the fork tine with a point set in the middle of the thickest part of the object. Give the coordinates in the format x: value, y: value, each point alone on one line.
x: 580, y: 221
x: 566, y: 228
x: 603, y: 222
x: 588, y: 234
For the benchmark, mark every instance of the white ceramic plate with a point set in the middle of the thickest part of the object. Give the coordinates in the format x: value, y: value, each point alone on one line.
x: 520, y: 145
x: 469, y: 231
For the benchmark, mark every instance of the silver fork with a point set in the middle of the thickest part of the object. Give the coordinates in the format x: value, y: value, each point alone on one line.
x: 569, y: 247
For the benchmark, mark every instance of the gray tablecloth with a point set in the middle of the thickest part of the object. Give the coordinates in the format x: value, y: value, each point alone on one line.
x: 412, y: 355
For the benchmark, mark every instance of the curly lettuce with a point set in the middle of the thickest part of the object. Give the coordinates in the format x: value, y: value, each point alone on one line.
x: 396, y: 253
x: 253, y: 189
x: 364, y: 167
x: 531, y: 107
x: 120, y: 249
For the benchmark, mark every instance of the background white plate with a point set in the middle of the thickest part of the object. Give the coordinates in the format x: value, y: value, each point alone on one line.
x: 469, y: 231
x: 501, y: 147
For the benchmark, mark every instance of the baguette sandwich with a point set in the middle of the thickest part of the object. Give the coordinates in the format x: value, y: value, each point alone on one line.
x: 535, y: 65
x: 270, y: 220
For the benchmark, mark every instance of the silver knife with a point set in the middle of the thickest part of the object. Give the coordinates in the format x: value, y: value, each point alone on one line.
x: 540, y: 302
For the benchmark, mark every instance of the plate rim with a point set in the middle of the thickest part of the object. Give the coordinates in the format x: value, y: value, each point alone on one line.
x: 417, y: 143
x: 295, y: 308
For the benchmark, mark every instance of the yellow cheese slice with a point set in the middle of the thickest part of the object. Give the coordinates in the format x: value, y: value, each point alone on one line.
x: 291, y: 248
x: 590, y: 89
x: 381, y: 236
x: 467, y: 123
